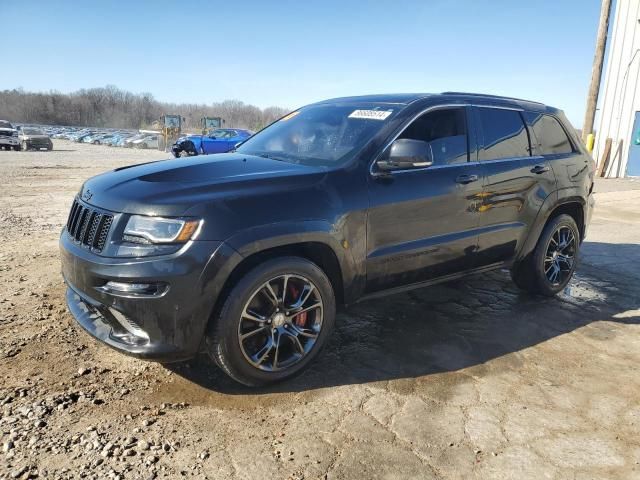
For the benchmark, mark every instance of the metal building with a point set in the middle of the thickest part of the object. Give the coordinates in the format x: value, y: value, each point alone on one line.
x: 619, y: 106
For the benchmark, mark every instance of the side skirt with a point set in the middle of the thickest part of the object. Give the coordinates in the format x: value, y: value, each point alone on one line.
x: 433, y: 281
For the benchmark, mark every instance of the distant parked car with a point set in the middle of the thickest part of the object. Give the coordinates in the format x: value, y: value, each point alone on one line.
x: 34, y: 138
x: 128, y: 143
x: 150, y: 141
x: 221, y: 140
x: 80, y: 136
x: 8, y: 136
x: 100, y: 138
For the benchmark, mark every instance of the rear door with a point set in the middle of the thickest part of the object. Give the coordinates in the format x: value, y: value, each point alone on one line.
x: 423, y: 223
x: 517, y: 182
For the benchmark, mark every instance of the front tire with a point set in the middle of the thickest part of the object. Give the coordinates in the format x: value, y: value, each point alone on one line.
x: 273, y: 322
x: 25, y: 146
x: 550, y: 267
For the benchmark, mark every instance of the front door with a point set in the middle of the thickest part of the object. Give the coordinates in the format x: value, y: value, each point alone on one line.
x: 633, y: 162
x: 423, y: 223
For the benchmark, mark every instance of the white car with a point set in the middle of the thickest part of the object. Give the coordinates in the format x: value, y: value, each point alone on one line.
x: 8, y: 136
x: 150, y: 141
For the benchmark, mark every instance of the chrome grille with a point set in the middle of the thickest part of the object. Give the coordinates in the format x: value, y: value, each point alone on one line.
x: 88, y: 226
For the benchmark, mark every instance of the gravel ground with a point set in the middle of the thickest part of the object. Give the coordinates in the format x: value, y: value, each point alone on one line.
x: 470, y: 379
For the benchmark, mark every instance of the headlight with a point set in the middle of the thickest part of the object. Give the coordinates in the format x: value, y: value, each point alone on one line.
x: 153, y: 230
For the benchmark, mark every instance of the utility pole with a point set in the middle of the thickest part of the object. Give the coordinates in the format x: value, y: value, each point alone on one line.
x: 596, y: 71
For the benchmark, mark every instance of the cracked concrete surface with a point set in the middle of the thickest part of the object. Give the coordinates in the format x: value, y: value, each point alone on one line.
x: 470, y: 379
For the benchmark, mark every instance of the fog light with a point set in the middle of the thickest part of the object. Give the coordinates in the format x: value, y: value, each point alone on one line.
x: 128, y: 287
x: 134, y: 289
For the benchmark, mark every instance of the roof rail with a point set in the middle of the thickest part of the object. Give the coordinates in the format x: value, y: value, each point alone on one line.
x: 486, y: 95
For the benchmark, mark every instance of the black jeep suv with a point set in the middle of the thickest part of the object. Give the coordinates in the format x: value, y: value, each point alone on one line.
x: 246, y: 255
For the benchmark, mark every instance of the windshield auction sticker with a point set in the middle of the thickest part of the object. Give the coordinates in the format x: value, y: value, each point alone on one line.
x: 370, y: 114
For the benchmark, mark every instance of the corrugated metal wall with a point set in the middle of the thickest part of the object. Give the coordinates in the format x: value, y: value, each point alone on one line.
x: 620, y: 97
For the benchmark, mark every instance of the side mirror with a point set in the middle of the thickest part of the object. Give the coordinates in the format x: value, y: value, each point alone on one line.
x: 404, y: 154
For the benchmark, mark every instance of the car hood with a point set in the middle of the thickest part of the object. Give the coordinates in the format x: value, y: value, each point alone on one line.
x: 171, y: 187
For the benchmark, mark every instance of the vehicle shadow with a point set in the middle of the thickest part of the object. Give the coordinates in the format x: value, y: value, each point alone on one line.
x: 451, y: 326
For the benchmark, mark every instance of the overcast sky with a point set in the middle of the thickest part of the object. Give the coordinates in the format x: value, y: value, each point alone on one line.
x: 292, y: 53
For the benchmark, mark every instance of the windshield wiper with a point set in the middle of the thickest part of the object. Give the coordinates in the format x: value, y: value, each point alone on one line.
x: 271, y: 157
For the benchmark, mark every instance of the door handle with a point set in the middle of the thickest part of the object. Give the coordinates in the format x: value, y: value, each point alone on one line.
x: 464, y: 179
x: 538, y: 169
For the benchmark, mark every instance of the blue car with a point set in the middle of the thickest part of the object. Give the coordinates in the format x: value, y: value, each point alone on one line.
x: 220, y: 140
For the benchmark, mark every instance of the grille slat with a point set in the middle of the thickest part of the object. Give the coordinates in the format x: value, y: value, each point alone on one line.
x: 82, y: 222
x: 74, y: 220
x: 104, y: 231
x: 71, y: 214
x: 88, y: 226
x: 95, y: 221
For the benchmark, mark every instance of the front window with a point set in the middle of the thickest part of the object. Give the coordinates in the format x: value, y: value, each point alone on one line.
x: 320, y: 135
x: 445, y: 130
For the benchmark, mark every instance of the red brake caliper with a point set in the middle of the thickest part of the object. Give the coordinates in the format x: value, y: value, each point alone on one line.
x: 299, y: 320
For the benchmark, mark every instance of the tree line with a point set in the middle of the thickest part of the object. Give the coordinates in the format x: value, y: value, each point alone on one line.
x: 116, y: 108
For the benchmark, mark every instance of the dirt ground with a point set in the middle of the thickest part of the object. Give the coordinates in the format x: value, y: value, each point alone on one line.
x: 470, y: 379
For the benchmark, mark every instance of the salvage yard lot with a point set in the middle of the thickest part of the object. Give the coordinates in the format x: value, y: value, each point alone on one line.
x: 469, y: 379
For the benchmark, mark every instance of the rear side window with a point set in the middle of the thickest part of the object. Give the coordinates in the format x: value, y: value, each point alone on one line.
x: 551, y: 137
x: 445, y: 130
x: 505, y: 135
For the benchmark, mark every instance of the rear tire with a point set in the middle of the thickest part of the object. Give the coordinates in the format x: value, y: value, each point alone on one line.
x: 550, y: 267
x: 282, y: 339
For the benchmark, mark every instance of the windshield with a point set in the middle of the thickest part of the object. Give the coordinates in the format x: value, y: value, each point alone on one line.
x: 321, y: 135
x: 4, y: 124
x: 32, y: 131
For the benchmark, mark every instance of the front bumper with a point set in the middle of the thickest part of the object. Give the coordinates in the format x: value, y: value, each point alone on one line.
x: 38, y: 144
x: 164, y: 327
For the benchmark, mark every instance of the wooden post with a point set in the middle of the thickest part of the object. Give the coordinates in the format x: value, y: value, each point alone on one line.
x: 604, y: 159
x: 596, y: 71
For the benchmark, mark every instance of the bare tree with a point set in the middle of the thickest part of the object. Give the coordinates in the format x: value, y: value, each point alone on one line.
x: 112, y: 107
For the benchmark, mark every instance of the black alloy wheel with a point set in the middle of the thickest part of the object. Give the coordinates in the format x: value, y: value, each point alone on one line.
x: 280, y: 323
x: 550, y: 267
x: 273, y: 322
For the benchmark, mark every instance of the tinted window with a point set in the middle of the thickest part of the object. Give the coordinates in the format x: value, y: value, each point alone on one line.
x: 505, y: 135
x: 445, y: 130
x: 549, y: 134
